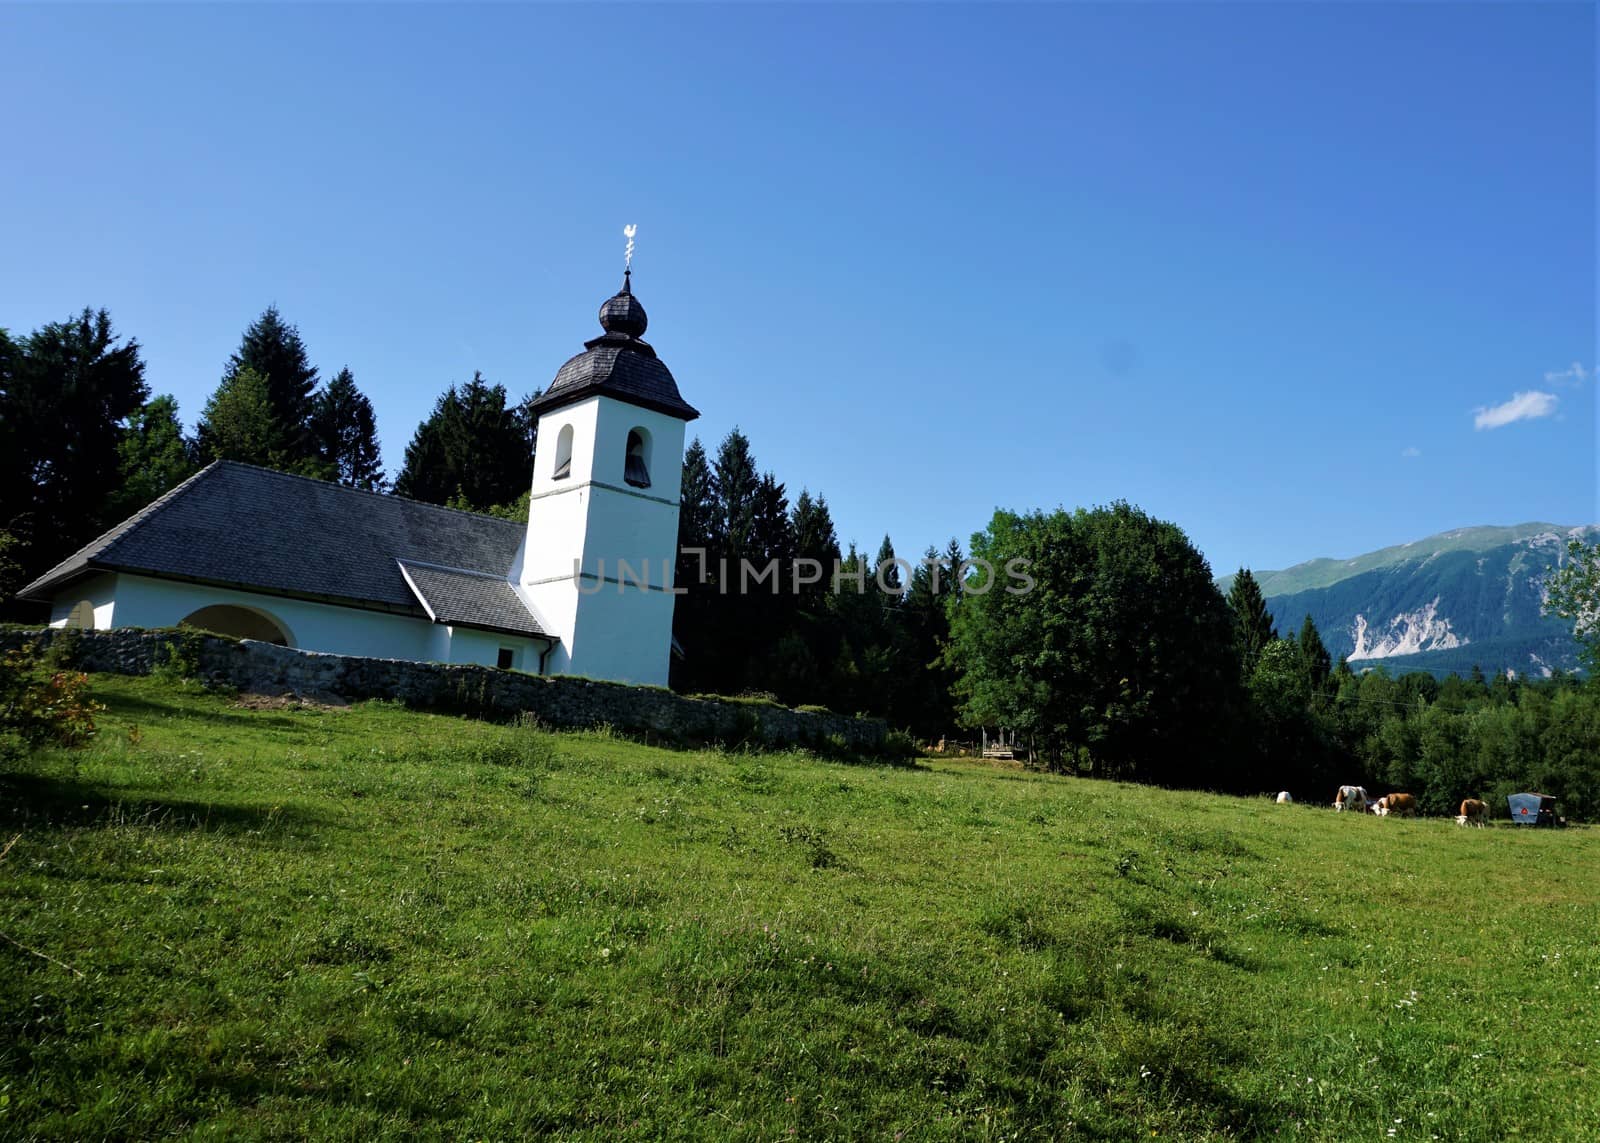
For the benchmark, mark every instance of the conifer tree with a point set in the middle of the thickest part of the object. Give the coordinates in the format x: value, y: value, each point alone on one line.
x: 1252, y: 622
x: 736, y: 484
x: 345, y: 433
x: 65, y: 392
x: 890, y: 574
x: 472, y: 448
x: 951, y: 581
x: 274, y: 350
x: 1314, y: 657
x: 771, y: 534
x: 815, y: 540
x: 697, y: 507
x: 695, y: 572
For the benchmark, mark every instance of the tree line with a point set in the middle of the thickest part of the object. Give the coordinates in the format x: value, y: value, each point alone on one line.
x: 1128, y: 662
x: 852, y: 638
x: 1122, y: 659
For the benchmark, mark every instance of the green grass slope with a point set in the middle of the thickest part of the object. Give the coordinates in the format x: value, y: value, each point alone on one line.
x: 375, y: 923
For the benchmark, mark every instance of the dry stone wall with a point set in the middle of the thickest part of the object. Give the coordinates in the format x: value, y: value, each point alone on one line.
x: 555, y: 700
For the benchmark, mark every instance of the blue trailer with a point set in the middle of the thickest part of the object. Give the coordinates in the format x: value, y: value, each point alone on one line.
x: 1534, y: 810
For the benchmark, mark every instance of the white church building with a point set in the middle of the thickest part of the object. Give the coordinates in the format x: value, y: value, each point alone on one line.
x: 585, y: 588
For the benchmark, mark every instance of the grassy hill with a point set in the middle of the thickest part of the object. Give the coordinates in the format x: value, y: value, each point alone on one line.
x: 373, y: 923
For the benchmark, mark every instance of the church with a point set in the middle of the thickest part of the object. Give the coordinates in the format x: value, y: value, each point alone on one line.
x: 584, y: 588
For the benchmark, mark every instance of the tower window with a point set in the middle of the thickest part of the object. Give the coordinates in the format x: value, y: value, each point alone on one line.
x: 636, y: 470
x: 563, y: 467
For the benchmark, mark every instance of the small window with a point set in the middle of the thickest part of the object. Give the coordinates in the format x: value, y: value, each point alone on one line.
x: 563, y: 454
x: 637, y: 469
x: 507, y: 659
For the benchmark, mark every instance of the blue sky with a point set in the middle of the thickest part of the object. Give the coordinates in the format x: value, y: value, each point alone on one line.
x: 1260, y: 269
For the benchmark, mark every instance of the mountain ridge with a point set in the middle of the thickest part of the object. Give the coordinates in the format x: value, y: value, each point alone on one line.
x: 1457, y: 599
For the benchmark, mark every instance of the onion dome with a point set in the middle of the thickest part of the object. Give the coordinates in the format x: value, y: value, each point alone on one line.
x: 618, y: 364
x: 624, y: 313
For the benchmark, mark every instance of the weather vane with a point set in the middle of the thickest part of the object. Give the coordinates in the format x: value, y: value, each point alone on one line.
x: 627, y: 255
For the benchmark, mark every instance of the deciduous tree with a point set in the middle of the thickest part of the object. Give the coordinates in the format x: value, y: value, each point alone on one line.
x: 1573, y: 594
x: 154, y: 457
x: 1121, y: 652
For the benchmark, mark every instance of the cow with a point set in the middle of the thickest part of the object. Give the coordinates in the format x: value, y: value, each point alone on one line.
x: 1351, y: 798
x: 1283, y: 798
x: 1473, y: 812
x: 1397, y: 805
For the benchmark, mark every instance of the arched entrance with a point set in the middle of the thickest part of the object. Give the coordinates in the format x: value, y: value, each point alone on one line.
x: 240, y: 622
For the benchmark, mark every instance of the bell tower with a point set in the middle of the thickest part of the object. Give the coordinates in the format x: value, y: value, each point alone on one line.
x: 598, y: 558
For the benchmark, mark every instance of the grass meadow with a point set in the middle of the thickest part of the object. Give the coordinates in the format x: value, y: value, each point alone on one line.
x: 372, y: 923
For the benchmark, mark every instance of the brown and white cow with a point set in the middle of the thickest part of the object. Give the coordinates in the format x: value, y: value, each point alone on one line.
x: 1473, y: 812
x: 1397, y: 805
x: 1353, y: 798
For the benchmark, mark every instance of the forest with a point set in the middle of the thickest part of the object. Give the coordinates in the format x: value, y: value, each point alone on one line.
x: 1124, y: 659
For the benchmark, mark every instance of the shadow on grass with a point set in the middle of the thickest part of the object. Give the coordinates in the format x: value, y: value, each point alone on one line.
x: 136, y: 707
x: 34, y: 801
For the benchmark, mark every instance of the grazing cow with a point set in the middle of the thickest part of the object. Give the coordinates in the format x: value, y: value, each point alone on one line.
x: 1283, y: 798
x: 1397, y: 805
x: 1351, y: 798
x: 1473, y: 812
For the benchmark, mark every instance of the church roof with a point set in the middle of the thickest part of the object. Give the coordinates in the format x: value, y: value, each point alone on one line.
x: 475, y: 599
x: 236, y: 525
x: 619, y: 364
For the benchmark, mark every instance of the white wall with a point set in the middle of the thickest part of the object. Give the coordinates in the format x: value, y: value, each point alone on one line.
x: 142, y: 601
x: 595, y: 518
x: 100, y: 591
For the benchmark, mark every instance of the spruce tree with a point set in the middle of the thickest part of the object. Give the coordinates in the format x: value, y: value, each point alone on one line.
x: 736, y: 483
x: 771, y: 533
x: 1252, y: 622
x: 951, y: 582
x: 471, y: 449
x: 273, y: 348
x: 65, y: 393
x: 890, y: 574
x: 697, y: 507
x: 345, y: 433
x: 1314, y: 657
x: 695, y: 574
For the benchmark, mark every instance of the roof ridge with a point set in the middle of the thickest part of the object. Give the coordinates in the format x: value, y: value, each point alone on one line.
x: 405, y: 561
x: 364, y: 491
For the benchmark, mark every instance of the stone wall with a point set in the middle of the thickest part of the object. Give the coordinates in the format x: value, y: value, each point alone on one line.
x: 555, y: 700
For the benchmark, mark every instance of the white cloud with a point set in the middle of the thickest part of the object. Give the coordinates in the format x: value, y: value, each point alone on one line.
x: 1411, y: 452
x: 1574, y: 374
x: 1522, y: 407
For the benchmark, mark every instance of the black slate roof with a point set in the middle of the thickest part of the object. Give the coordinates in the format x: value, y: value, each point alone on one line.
x: 237, y: 525
x: 618, y: 364
x: 472, y: 599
